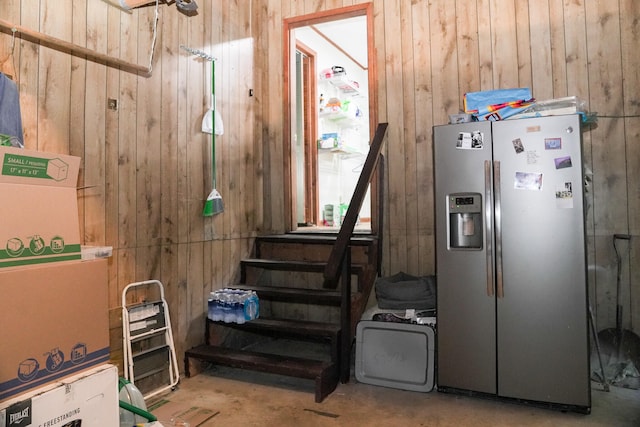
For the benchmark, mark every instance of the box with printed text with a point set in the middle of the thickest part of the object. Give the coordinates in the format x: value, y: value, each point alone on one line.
x: 88, y: 399
x: 55, y: 323
x: 38, y: 207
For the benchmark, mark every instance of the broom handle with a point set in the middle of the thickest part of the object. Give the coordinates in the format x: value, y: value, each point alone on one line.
x: 213, y: 124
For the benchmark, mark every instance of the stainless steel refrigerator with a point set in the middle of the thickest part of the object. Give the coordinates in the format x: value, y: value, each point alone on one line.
x: 512, y: 301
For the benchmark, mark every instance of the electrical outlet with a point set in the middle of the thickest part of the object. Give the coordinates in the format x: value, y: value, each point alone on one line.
x: 112, y: 104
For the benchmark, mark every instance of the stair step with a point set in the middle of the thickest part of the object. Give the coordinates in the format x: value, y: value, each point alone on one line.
x: 325, y: 374
x: 297, y: 295
x: 272, y: 264
x: 282, y: 265
x: 303, y: 328
x: 315, y: 239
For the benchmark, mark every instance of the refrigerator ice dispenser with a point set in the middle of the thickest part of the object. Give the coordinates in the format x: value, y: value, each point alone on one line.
x: 465, y: 220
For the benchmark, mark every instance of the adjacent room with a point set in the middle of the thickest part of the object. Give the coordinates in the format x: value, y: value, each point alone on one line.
x: 319, y: 212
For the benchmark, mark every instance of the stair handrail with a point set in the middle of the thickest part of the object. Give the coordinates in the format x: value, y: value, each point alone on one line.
x: 333, y: 268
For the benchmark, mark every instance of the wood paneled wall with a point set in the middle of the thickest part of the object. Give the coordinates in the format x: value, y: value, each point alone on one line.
x: 431, y: 52
x: 146, y: 166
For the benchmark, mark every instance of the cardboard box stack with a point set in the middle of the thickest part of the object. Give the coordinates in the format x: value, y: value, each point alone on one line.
x: 54, y: 306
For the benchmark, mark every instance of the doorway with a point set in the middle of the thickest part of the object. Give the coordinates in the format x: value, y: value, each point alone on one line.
x: 330, y: 110
x: 306, y: 154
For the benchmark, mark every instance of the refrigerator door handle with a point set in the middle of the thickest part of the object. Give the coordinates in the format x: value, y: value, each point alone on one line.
x: 488, y: 226
x: 498, y: 225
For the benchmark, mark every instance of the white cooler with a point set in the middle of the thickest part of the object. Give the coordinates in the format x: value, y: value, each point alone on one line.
x: 396, y: 355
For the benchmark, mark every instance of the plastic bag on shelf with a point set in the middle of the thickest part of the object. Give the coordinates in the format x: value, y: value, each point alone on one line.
x: 553, y: 107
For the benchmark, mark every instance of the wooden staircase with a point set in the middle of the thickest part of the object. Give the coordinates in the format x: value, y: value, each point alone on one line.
x: 304, y: 283
x: 291, y: 310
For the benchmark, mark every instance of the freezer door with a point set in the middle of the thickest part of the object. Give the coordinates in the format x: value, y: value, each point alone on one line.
x: 465, y: 297
x: 543, y: 347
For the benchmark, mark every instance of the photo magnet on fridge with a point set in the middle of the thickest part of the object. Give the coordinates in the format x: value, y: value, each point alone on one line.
x: 470, y: 140
x: 528, y: 181
x: 518, y: 146
x: 563, y: 162
x: 552, y: 143
x: 564, y: 196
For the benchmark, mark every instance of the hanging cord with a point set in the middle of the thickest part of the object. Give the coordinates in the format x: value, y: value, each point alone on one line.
x: 154, y: 38
x: 617, y: 117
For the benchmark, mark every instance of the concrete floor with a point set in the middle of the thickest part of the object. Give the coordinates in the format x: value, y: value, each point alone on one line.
x: 243, y: 398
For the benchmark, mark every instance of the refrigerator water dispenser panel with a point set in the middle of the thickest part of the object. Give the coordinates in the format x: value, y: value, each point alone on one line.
x: 465, y: 221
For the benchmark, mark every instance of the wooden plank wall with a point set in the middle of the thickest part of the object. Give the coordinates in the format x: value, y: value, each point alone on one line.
x: 430, y: 52
x: 146, y: 165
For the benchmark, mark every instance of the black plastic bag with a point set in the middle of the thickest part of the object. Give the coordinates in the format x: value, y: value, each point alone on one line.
x: 404, y: 292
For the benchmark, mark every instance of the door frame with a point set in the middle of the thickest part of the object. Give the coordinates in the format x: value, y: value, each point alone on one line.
x: 310, y: 125
x: 289, y: 49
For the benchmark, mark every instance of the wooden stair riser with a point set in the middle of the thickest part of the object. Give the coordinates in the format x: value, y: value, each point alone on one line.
x: 242, y: 337
x: 301, y: 308
x: 322, y: 373
x: 317, y: 296
x: 320, y: 253
x: 282, y: 310
x: 298, y: 275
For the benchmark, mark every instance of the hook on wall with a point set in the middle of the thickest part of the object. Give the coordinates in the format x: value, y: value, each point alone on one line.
x: 199, y: 53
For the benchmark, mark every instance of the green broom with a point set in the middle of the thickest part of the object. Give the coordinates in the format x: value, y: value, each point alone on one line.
x: 213, y: 205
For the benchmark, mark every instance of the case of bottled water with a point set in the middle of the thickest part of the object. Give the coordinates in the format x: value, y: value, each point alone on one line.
x: 233, y: 306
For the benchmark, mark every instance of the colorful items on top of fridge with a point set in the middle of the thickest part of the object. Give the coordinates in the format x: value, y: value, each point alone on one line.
x: 517, y: 103
x: 497, y: 104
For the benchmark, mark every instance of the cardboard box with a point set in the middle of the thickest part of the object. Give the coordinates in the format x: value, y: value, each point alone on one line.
x: 54, y: 321
x: 88, y: 400
x: 38, y: 207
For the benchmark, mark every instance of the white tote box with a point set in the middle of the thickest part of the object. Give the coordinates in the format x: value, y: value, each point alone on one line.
x: 396, y: 355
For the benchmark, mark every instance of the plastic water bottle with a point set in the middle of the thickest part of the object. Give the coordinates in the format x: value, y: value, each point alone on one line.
x: 238, y: 306
x: 216, y: 312
x: 224, y: 307
x: 210, y: 304
x: 251, y: 306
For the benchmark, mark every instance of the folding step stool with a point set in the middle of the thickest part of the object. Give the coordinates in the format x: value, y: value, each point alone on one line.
x: 148, y: 340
